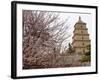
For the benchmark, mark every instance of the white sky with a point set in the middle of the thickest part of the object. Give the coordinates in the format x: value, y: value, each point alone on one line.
x: 73, y: 18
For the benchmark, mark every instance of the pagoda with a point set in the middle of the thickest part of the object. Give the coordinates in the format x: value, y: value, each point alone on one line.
x: 80, y: 37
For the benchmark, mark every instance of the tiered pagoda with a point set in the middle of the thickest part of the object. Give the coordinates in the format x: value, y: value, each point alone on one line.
x: 81, y: 37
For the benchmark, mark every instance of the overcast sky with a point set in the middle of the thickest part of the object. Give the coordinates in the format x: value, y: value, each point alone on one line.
x: 73, y: 18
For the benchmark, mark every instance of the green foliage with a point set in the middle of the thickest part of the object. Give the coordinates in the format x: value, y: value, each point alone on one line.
x: 87, y: 55
x: 70, y: 49
x: 86, y: 58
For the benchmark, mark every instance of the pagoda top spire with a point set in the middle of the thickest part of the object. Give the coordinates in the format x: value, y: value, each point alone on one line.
x: 79, y: 18
x: 80, y: 21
